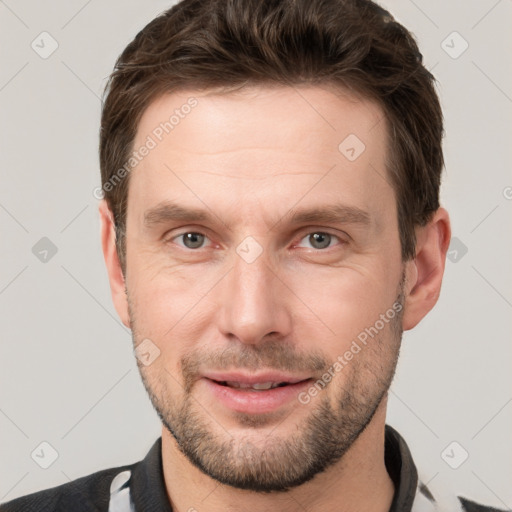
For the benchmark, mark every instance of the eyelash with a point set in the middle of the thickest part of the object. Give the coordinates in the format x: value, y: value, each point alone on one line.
x: 333, y: 236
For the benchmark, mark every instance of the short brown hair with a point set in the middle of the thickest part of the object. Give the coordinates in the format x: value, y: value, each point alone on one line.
x: 209, y: 44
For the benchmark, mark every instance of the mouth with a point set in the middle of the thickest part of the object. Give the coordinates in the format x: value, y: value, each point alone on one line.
x: 255, y: 394
x: 257, y: 386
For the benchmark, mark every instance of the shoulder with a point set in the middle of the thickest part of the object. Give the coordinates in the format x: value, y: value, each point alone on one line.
x: 87, y: 494
x: 471, y: 506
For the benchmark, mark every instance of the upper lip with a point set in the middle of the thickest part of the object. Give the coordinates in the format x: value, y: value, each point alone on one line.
x: 255, y: 378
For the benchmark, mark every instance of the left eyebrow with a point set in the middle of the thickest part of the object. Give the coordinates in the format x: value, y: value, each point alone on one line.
x: 332, y: 214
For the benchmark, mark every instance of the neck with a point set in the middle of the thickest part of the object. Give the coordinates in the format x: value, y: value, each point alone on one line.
x: 359, y: 481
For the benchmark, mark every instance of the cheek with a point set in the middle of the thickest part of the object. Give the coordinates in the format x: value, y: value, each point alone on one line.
x: 346, y: 301
x: 170, y: 307
x: 161, y: 294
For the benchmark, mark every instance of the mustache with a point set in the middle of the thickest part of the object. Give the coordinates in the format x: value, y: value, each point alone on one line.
x: 271, y: 355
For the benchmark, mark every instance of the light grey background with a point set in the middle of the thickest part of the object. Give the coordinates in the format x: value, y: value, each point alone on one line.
x: 67, y: 371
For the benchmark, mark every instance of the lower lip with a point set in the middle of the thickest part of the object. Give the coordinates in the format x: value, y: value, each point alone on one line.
x: 255, y: 402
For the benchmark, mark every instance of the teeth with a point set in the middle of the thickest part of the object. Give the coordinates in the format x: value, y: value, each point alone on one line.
x: 259, y: 386
x: 263, y: 385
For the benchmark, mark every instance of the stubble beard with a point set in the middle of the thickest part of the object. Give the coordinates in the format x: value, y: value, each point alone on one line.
x: 274, y: 463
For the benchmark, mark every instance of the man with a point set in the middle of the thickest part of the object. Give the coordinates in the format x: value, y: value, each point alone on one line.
x: 270, y: 226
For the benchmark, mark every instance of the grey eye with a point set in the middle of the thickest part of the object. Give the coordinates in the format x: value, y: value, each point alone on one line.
x: 320, y: 240
x: 192, y: 240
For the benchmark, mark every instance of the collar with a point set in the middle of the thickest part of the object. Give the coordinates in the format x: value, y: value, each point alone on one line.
x: 401, y: 469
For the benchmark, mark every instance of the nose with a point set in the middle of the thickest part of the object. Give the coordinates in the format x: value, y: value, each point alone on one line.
x: 253, y: 302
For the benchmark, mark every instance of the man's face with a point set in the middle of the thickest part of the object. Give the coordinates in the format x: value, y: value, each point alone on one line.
x: 291, y: 257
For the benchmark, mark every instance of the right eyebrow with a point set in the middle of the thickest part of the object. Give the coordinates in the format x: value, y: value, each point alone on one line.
x: 167, y: 212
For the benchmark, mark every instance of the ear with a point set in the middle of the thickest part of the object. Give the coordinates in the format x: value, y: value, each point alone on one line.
x: 115, y: 274
x: 424, y: 274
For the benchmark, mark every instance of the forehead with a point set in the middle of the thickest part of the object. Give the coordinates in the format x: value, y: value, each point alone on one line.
x: 258, y: 141
x: 284, y: 115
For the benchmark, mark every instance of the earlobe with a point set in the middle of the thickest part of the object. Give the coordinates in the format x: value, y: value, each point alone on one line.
x: 424, y: 274
x: 115, y: 274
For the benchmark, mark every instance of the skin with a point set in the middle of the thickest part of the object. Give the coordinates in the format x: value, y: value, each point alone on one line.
x: 251, y: 159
